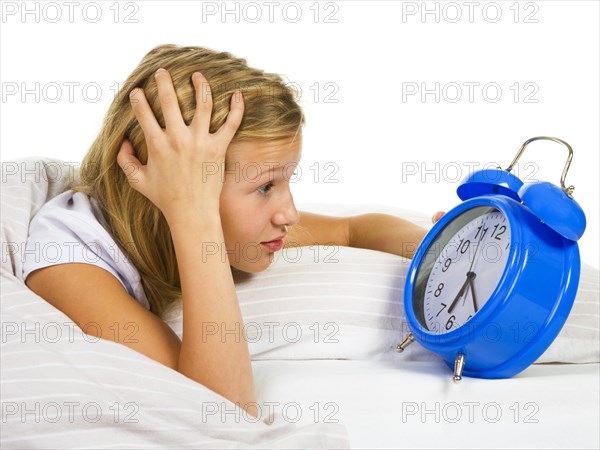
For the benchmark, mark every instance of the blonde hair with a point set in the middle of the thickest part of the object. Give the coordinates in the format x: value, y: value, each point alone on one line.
x: 137, y: 225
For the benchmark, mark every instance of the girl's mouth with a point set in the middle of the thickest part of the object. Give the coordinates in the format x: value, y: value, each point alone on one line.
x: 274, y: 245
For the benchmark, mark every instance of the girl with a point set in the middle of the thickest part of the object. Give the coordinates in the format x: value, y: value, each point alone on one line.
x: 166, y: 184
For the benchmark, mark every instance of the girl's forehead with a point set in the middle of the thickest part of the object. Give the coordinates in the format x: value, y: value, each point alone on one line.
x: 283, y: 150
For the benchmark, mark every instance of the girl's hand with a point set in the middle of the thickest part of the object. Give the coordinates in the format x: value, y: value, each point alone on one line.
x: 185, y: 163
x: 437, y: 216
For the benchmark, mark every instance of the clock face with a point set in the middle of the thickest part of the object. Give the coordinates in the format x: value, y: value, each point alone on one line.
x: 461, y: 269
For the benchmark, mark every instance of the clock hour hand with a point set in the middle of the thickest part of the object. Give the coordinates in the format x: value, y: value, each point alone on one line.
x: 470, y: 277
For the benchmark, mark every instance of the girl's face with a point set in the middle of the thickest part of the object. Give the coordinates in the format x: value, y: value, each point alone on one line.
x: 256, y: 204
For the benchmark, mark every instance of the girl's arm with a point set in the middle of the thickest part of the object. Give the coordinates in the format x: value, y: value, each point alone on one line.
x: 385, y: 233
x: 213, y: 349
x: 373, y: 231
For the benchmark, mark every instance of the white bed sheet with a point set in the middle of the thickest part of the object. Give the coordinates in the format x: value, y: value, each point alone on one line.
x: 385, y: 404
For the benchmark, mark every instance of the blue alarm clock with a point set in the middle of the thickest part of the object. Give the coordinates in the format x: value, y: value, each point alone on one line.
x: 493, y: 281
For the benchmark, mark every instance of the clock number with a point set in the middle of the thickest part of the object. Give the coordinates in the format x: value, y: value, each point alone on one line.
x: 443, y: 307
x: 479, y: 228
x: 438, y: 291
x: 447, y: 265
x: 450, y: 322
x: 464, y: 246
x: 502, y: 228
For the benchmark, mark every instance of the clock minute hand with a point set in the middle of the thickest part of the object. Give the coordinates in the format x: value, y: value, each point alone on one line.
x: 460, y: 293
x: 477, y: 247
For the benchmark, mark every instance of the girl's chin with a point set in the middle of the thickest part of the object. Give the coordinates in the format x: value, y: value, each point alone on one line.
x: 254, y: 265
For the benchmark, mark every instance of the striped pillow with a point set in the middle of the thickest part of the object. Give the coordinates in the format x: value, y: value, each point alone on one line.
x: 346, y: 303
x: 325, y: 302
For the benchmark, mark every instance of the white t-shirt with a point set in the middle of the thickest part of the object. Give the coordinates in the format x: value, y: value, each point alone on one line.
x: 70, y: 228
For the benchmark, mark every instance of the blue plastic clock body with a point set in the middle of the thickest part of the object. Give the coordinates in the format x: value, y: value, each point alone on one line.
x: 529, y: 305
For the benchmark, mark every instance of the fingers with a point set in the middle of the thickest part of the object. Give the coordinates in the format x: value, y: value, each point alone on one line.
x: 437, y: 216
x: 201, y: 121
x: 168, y: 100
x: 144, y: 115
x: 204, y: 103
x: 234, y: 117
x: 172, y: 113
x: 129, y: 163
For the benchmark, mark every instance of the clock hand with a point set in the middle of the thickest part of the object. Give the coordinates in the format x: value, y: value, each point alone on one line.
x: 465, y: 295
x: 476, y: 248
x: 473, y: 295
x: 470, y: 275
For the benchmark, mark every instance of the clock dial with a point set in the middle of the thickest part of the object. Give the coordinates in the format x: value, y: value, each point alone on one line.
x: 463, y: 267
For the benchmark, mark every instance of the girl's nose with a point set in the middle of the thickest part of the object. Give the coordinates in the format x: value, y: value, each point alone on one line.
x: 287, y: 214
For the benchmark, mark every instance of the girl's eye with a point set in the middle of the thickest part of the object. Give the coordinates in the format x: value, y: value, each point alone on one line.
x: 266, y: 188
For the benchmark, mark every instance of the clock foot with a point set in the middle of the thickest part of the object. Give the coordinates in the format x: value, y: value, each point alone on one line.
x: 405, y: 343
x: 459, y: 364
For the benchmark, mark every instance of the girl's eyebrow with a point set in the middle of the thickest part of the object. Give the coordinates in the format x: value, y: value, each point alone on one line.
x: 253, y: 177
x: 269, y: 170
x: 272, y: 167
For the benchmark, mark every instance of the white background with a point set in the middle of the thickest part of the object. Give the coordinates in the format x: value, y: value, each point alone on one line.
x: 524, y: 69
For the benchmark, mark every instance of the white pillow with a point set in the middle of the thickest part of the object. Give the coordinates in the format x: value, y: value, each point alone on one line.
x: 26, y: 185
x: 579, y: 339
x: 327, y: 302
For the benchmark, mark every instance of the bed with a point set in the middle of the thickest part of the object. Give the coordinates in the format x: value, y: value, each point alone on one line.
x: 322, y: 325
